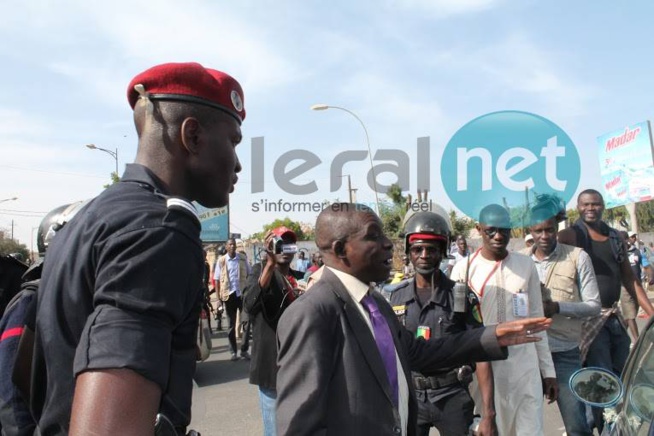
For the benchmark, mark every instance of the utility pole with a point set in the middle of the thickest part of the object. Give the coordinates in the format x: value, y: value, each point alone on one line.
x: 349, y: 188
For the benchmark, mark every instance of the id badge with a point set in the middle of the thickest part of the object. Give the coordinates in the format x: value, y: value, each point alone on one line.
x: 423, y: 332
x: 520, y: 304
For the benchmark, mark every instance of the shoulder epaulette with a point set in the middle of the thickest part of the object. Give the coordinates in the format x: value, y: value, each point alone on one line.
x: 182, y: 205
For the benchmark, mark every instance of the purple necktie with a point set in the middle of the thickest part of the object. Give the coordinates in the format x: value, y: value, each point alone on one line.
x: 384, y: 341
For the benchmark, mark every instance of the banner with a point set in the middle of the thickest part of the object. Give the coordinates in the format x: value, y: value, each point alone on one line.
x: 215, y: 223
x: 626, y: 165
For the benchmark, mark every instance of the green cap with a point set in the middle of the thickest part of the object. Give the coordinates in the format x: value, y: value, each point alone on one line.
x: 495, y: 215
x: 546, y: 207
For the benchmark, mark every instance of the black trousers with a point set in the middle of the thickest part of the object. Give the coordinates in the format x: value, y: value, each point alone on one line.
x: 452, y: 415
x: 232, y: 306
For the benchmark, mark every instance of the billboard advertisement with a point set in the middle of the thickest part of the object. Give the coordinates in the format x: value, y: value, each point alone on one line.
x: 215, y: 223
x: 626, y: 165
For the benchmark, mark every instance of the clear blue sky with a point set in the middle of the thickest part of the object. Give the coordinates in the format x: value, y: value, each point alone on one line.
x: 407, y: 68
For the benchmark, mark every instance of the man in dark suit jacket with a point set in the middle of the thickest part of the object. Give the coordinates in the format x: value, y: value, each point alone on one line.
x: 332, y: 378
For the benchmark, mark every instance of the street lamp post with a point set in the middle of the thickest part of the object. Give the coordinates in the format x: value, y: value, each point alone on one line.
x: 113, y: 154
x: 322, y: 107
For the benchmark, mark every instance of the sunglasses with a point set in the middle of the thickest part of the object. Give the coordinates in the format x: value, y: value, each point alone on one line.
x: 492, y: 231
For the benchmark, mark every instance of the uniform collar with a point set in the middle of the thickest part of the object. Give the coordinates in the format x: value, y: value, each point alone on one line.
x: 439, y: 297
x: 141, y: 174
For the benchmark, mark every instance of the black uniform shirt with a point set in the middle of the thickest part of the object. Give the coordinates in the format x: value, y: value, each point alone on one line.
x: 121, y: 288
x: 437, y: 315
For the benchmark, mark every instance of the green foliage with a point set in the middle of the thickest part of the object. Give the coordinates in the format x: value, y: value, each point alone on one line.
x: 8, y: 246
x: 573, y: 215
x: 392, y: 213
x: 394, y: 193
x: 391, y: 217
x: 115, y: 178
x: 519, y: 220
x: 645, y: 216
x: 461, y: 225
x: 286, y: 222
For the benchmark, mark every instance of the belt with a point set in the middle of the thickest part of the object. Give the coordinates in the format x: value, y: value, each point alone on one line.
x: 434, y: 382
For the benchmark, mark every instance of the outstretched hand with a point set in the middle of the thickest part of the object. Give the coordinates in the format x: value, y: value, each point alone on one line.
x: 521, y: 331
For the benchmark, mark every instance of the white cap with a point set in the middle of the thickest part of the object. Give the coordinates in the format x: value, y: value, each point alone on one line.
x: 529, y: 237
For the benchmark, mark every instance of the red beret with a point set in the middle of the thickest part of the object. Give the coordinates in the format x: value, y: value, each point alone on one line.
x: 190, y: 82
x: 285, y: 232
x: 425, y: 237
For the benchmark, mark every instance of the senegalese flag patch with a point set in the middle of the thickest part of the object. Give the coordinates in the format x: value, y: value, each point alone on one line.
x: 423, y: 332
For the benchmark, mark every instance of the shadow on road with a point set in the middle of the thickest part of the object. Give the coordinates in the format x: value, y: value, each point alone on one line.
x: 219, y: 369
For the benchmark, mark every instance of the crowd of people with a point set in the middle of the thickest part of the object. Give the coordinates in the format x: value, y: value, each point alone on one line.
x: 102, y: 339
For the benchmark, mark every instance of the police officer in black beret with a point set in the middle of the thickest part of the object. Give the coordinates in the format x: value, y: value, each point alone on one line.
x: 121, y: 292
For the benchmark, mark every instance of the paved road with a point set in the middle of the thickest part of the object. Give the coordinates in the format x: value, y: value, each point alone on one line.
x: 225, y: 404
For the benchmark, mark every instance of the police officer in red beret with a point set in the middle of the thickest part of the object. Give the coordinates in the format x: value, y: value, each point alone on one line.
x: 120, y: 297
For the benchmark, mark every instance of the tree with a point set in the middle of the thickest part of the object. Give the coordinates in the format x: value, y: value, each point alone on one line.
x: 115, y: 178
x: 394, y: 193
x: 391, y: 214
x: 645, y: 216
x: 573, y: 215
x: 460, y: 225
x: 9, y: 246
x: 286, y: 222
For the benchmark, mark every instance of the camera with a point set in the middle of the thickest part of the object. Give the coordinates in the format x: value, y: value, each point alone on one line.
x: 279, y: 247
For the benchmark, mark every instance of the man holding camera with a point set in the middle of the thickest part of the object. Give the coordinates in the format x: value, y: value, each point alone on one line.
x: 270, y: 289
x: 429, y: 307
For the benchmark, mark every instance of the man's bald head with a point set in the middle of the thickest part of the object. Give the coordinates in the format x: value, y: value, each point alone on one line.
x: 337, y: 222
x: 351, y: 239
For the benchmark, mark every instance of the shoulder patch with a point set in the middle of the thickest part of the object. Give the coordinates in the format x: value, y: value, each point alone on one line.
x: 179, y: 204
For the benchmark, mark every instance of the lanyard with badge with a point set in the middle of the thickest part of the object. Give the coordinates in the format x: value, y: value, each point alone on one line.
x: 520, y: 300
x: 490, y: 274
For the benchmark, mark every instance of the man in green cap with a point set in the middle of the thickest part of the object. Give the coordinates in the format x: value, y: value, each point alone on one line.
x: 570, y: 294
x: 508, y: 288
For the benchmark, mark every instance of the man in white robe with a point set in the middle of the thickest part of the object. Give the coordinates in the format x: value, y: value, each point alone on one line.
x: 508, y: 289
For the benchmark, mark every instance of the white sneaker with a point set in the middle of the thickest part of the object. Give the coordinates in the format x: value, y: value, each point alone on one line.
x: 245, y: 355
x: 234, y: 357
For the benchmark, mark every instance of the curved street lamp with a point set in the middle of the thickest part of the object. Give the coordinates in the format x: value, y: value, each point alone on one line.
x: 113, y: 154
x: 322, y: 107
